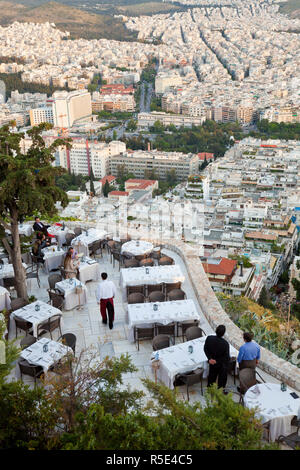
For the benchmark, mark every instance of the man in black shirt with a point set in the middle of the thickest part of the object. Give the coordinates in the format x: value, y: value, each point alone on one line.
x: 216, y: 349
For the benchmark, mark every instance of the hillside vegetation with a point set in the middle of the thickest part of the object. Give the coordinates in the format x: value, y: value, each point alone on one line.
x: 291, y: 8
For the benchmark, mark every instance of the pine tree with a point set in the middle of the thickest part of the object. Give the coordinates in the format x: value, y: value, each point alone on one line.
x: 106, y: 188
x: 92, y: 178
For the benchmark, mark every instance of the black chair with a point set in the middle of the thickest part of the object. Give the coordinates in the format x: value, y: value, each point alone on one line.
x: 49, y: 326
x: 53, y: 279
x: 27, y: 341
x: 292, y: 440
x: 154, y: 288
x: 9, y: 282
x: 35, y: 260
x: 247, y: 379
x: 22, y: 325
x: 136, y: 298
x: 160, y: 342
x: 141, y: 257
x: 176, y: 294
x: 232, y: 368
x: 191, y: 378
x: 96, y: 247
x: 169, y: 329
x: 156, y: 296
x: 32, y: 272
x: 31, y: 370
x: 56, y: 298
x: 142, y: 334
x: 62, y: 272
x: 184, y: 325
x: 68, y: 339
x: 77, y: 231
x: 193, y: 332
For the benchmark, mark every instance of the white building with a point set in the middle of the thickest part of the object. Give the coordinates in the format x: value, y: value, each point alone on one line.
x: 71, y: 108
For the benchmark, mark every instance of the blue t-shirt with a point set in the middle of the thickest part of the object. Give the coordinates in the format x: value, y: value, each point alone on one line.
x: 249, y: 351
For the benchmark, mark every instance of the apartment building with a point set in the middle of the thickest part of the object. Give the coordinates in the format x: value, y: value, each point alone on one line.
x: 71, y: 108
x: 41, y: 114
x: 141, y: 163
x: 86, y: 155
x: 146, y: 120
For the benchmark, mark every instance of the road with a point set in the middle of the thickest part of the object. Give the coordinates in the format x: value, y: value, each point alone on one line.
x: 146, y: 97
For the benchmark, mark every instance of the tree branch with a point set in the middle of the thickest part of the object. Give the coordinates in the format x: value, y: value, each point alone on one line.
x: 5, y: 225
x: 7, y: 246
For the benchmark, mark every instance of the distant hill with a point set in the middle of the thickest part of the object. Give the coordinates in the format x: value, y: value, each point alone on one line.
x: 291, y: 8
x: 80, y: 23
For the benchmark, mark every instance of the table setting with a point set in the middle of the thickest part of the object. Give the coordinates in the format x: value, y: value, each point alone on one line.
x: 53, y: 256
x: 59, y: 232
x: 75, y: 292
x: 87, y: 237
x: 150, y: 275
x: 89, y: 269
x: 274, y: 403
x: 181, y: 358
x: 36, y: 313
x: 146, y: 314
x: 7, y: 270
x: 45, y: 353
x: 137, y: 247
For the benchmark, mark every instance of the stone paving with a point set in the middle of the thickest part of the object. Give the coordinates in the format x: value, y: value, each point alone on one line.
x: 87, y: 325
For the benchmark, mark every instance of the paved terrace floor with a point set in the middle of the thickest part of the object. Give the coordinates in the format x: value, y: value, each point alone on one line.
x: 87, y: 325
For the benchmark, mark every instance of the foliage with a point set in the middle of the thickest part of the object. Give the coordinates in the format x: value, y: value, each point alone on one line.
x: 149, y: 72
x: 118, y: 115
x: 274, y: 130
x: 71, y: 182
x: 13, y: 82
x: 123, y: 176
x: 296, y: 285
x: 244, y: 259
x: 155, y: 104
x: 132, y: 125
x: 107, y: 188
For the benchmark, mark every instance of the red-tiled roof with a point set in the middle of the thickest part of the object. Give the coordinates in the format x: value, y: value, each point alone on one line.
x: 202, y: 155
x: 118, y: 193
x: 225, y: 267
x: 108, y: 178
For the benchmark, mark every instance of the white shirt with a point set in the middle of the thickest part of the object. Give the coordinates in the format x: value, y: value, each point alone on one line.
x: 105, y: 290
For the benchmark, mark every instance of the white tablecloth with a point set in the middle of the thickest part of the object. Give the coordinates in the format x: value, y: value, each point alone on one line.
x: 7, y: 270
x: 177, y: 360
x: 273, y: 405
x: 59, y: 234
x: 157, y: 275
x: 143, y: 248
x: 167, y: 312
x: 4, y: 299
x: 35, y: 317
x: 72, y: 299
x: 34, y: 354
x: 25, y: 229
x: 53, y: 259
x: 82, y: 242
x: 89, y: 270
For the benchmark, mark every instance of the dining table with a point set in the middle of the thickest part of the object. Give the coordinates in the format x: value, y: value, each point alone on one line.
x: 36, y: 313
x: 75, y: 293
x: 137, y: 247
x: 38, y: 356
x: 59, y: 232
x: 150, y: 275
x: 273, y: 405
x: 82, y: 242
x: 89, y: 269
x: 54, y: 257
x: 5, y: 301
x: 178, y: 359
x: 147, y: 314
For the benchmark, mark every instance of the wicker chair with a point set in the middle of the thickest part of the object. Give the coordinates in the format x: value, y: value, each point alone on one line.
x: 165, y: 261
x: 134, y: 289
x: 168, y: 287
x: 147, y: 262
x: 232, y: 368
x: 191, y: 378
x: 156, y: 296
x: 9, y: 282
x: 27, y: 341
x: 56, y: 298
x: 117, y: 257
x: 292, y: 440
x: 154, y: 288
x: 62, y: 272
x: 32, y: 272
x: 96, y: 247
x: 143, y: 333
x: 193, y: 332
x: 176, y: 294
x: 17, y: 303
x: 48, y: 326
x: 22, y: 325
x: 77, y: 231
x: 169, y: 329
x: 184, y: 325
x: 131, y: 263
x: 140, y: 257
x: 69, y: 238
x: 136, y: 298
x: 247, y: 379
x: 29, y: 369
x: 68, y: 339
x: 160, y: 342
x: 53, y: 279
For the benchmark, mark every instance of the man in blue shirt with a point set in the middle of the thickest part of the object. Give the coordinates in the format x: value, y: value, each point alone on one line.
x: 249, y: 353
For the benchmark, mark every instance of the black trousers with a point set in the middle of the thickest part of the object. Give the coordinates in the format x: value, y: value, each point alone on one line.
x: 217, y: 371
